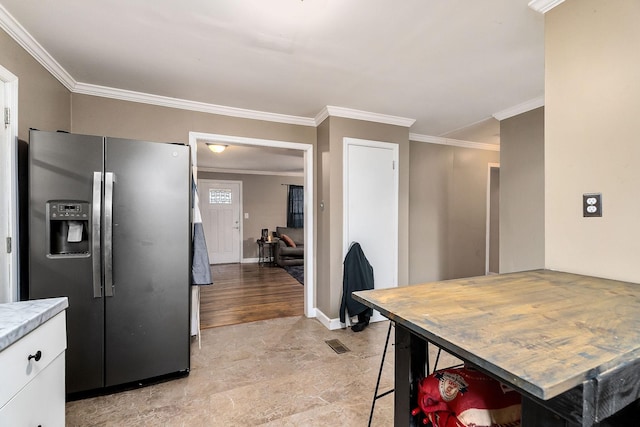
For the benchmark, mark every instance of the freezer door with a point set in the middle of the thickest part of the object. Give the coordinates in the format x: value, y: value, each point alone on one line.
x: 61, y: 167
x: 147, y: 316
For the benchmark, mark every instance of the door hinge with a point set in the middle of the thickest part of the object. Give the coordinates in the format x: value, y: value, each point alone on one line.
x: 8, y: 245
x: 7, y: 117
x: 393, y: 164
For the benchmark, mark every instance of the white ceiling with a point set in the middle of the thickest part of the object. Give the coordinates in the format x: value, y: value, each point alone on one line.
x: 251, y: 159
x: 448, y: 64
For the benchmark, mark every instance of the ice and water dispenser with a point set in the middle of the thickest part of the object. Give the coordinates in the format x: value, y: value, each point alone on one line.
x: 68, y: 225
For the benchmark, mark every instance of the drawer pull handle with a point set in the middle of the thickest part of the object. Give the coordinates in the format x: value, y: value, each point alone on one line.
x: 36, y: 356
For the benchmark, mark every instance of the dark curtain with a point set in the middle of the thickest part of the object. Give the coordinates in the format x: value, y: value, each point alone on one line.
x: 295, y: 208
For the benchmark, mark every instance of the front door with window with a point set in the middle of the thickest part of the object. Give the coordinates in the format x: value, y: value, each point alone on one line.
x: 220, y: 207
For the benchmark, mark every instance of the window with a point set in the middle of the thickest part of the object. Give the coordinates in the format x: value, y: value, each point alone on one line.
x: 220, y: 196
x: 295, y: 208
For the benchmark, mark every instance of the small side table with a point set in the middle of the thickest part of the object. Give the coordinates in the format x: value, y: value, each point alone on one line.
x: 265, y: 252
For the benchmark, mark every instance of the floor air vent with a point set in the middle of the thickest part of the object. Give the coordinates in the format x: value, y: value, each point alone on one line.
x: 337, y: 346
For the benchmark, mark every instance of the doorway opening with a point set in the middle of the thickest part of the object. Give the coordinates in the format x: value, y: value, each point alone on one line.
x: 307, y: 150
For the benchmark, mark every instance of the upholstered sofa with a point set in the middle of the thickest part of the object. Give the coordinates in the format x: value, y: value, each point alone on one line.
x: 290, y: 247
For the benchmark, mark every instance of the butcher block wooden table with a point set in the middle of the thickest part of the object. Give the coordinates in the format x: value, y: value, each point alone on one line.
x: 569, y: 343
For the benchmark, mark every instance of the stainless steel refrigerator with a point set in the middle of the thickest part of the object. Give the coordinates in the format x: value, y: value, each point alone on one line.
x: 109, y: 227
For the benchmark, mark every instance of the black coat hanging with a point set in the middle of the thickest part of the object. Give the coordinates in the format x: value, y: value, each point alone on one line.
x: 357, y: 276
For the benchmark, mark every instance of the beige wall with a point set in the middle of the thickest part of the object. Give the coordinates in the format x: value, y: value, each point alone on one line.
x: 494, y: 220
x: 43, y: 102
x: 323, y: 218
x: 468, y: 211
x: 431, y: 167
x: 111, y: 117
x: 330, y: 146
x: 591, y: 137
x: 264, y: 198
x: 522, y: 192
x: 448, y: 191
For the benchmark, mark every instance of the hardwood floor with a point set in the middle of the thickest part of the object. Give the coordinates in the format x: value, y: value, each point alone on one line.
x: 244, y: 293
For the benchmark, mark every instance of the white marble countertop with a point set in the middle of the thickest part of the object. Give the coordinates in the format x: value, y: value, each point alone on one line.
x: 17, y: 319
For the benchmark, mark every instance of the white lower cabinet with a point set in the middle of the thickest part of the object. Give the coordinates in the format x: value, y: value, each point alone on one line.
x: 41, y: 402
x: 34, y: 394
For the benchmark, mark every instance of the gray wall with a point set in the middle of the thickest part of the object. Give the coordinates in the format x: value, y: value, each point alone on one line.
x: 323, y: 218
x: 264, y: 198
x: 43, y: 102
x: 468, y: 212
x: 448, y: 192
x: 494, y: 221
x: 522, y: 192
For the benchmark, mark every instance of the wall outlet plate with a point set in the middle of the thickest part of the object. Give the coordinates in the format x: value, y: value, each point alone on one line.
x: 592, y: 205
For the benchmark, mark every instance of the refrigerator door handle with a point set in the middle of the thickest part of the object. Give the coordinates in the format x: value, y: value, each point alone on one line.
x: 95, y: 234
x: 109, y: 180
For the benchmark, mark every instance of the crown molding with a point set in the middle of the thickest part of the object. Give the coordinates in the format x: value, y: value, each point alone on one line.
x: 321, y: 116
x: 17, y: 32
x: 449, y: 132
x: 453, y: 142
x: 183, y: 104
x: 544, y: 6
x: 349, y: 113
x: 529, y: 105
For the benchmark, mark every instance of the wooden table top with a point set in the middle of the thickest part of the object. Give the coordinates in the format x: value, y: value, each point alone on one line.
x: 542, y: 331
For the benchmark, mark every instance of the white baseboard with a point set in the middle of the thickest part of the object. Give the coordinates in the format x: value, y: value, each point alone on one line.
x: 333, y: 324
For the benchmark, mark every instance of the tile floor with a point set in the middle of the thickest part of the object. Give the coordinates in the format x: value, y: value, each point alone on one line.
x: 277, y: 372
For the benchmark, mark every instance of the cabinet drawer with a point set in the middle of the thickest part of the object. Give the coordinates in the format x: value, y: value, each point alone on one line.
x: 16, y: 370
x: 41, y: 402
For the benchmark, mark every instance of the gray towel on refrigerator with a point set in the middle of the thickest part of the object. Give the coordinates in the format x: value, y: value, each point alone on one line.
x: 200, y: 269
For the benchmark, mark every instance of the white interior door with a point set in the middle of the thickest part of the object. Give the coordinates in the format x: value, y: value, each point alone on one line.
x: 371, y: 206
x: 5, y: 179
x: 220, y: 206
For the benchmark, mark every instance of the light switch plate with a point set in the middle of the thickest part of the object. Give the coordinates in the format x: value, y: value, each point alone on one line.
x: 592, y: 205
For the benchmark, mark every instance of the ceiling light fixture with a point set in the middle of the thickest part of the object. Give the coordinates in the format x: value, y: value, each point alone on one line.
x: 216, y: 148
